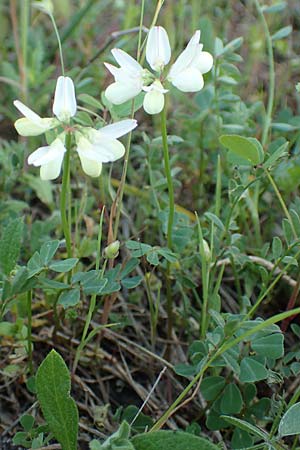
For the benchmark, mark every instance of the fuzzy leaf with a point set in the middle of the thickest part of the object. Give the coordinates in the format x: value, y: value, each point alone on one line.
x: 10, y: 244
x: 53, y: 384
x: 171, y: 440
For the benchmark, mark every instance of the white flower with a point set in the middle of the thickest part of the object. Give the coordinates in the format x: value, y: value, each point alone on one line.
x: 128, y: 78
x: 64, y: 106
x: 154, y: 99
x: 158, y: 50
x: 32, y: 124
x: 49, y: 158
x: 186, y: 72
x: 101, y: 146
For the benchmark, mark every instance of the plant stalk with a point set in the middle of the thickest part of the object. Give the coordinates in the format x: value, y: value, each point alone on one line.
x: 64, y: 206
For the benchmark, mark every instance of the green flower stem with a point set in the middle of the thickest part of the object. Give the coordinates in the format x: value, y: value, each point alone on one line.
x: 271, y: 90
x: 205, y: 271
x: 59, y: 44
x: 29, y: 329
x: 117, y: 204
x: 64, y: 196
x: 168, y: 176
x: 24, y: 41
x: 227, y: 344
x: 92, y: 306
x: 282, y: 202
x: 170, y: 217
x: 270, y: 104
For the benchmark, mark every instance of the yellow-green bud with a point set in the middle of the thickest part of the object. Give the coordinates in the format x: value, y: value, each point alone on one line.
x: 206, y: 249
x: 45, y: 6
x: 112, y: 250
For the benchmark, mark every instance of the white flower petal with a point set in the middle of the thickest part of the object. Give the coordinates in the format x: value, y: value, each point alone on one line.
x: 104, y: 149
x: 189, y: 80
x: 126, y: 61
x: 195, y: 39
x: 158, y: 50
x: 154, y: 102
x: 203, y: 62
x: 89, y: 166
x: 64, y: 106
x: 51, y: 170
x: 118, y: 93
x: 118, y: 129
x: 185, y: 59
x: 113, y: 69
x: 34, y: 157
x: 47, y: 154
x: 25, y: 127
x: 27, y: 112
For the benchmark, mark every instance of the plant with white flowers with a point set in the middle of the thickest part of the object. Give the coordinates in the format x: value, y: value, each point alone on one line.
x: 94, y: 146
x: 186, y: 74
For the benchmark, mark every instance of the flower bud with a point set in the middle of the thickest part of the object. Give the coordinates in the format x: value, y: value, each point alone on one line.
x: 207, y: 252
x: 112, y: 250
x: 45, y: 6
x: 64, y: 105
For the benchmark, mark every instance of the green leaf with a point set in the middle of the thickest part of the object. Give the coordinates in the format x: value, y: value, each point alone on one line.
x: 290, y: 423
x: 69, y: 298
x: 279, y: 153
x: 47, y: 251
x: 276, y: 247
x: 132, y: 282
x: 269, y: 346
x: 252, y: 370
x: 10, y: 245
x: 91, y: 101
x: 129, y: 267
x: 247, y: 148
x: 215, y: 219
x: 241, y: 440
x: 94, y: 286
x: 232, y: 401
x: 42, y: 188
x: 282, y: 33
x: 171, y: 440
x: 27, y: 422
x: 63, y: 266
x: 246, y: 426
x: 53, y: 384
x: 152, y: 257
x: 211, y: 387
x: 137, y: 248
x: 277, y: 7
x: 34, y: 265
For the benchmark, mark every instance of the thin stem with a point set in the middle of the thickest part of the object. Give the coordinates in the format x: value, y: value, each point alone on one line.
x: 205, y: 281
x: 271, y: 84
x: 117, y: 204
x: 64, y: 196
x: 59, y: 44
x: 168, y: 176
x: 222, y: 349
x: 281, y: 201
x: 138, y: 54
x: 29, y: 329
x: 92, y: 306
x: 170, y: 219
x: 24, y: 39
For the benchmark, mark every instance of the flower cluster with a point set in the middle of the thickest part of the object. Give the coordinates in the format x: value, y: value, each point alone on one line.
x: 94, y: 146
x: 185, y: 74
x: 97, y: 146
